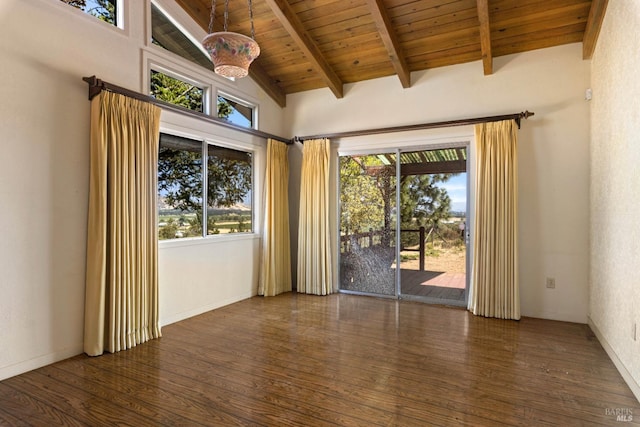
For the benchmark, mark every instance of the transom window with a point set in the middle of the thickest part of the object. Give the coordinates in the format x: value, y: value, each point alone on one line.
x: 104, y: 10
x: 176, y: 91
x: 235, y: 111
x: 224, y: 179
x: 167, y: 34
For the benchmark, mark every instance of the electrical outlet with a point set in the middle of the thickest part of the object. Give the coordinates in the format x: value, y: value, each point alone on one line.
x: 551, y: 283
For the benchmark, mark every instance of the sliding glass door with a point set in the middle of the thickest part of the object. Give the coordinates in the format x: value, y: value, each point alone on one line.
x: 433, y: 225
x: 367, y: 224
x: 411, y: 206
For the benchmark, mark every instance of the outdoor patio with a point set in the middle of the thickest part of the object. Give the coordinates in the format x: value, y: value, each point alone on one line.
x: 433, y: 284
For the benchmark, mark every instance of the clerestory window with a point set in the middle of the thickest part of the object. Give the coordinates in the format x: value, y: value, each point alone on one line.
x: 235, y: 111
x: 105, y: 10
x: 167, y: 33
x: 176, y: 91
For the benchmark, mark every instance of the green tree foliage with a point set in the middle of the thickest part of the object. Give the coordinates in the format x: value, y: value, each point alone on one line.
x: 229, y: 177
x: 367, y: 196
x: 211, y: 226
x: 423, y: 203
x: 180, y: 169
x: 169, y: 230
x: 361, y: 201
x: 184, y: 94
x: 180, y: 178
x: 175, y: 91
x: 80, y: 4
x: 224, y: 108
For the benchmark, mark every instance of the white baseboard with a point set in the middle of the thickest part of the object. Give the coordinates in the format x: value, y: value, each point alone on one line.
x: 47, y: 359
x: 626, y: 375
x: 39, y: 362
x: 203, y: 309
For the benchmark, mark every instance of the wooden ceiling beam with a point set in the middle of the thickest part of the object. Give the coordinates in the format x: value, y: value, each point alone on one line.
x: 390, y: 40
x: 594, y: 23
x: 485, y: 36
x: 290, y: 21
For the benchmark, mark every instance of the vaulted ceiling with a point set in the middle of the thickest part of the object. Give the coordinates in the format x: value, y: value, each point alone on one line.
x: 311, y: 44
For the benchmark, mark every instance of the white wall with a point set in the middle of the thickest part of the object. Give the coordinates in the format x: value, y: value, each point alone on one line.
x: 614, y: 308
x: 553, y: 152
x: 198, y: 275
x: 45, y: 49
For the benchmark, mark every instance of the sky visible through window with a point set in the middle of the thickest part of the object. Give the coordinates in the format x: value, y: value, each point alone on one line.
x: 457, y: 189
x: 104, y: 10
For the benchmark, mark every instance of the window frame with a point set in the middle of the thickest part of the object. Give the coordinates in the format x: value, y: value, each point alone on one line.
x: 156, y: 58
x: 206, y: 88
x: 176, y: 65
x: 166, y: 10
x: 206, y: 139
x: 205, y: 184
x: 234, y: 98
x: 122, y: 15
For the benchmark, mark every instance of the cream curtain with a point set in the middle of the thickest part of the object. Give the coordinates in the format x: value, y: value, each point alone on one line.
x: 494, y: 279
x: 314, y: 247
x: 275, y: 274
x: 121, y: 299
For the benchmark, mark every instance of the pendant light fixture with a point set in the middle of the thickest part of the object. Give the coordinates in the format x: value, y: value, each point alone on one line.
x: 231, y: 53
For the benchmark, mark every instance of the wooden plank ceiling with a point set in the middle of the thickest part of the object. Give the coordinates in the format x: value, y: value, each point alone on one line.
x: 311, y: 44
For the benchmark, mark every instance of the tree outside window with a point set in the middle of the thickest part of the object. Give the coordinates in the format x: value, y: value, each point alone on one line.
x: 180, y: 189
x: 104, y: 10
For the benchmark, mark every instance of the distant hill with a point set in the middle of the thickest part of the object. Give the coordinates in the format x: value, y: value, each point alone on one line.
x: 166, y: 209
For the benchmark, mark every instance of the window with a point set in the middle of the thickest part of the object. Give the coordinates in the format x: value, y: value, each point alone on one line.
x: 228, y: 190
x: 235, y: 111
x: 175, y: 91
x: 184, y: 85
x: 186, y: 93
x: 104, y: 10
x: 167, y: 34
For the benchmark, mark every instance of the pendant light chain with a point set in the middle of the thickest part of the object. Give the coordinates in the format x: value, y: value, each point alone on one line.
x: 226, y: 14
x: 213, y: 14
x: 253, y: 31
x: 226, y: 17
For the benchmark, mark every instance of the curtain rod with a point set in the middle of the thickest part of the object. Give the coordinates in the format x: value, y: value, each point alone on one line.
x: 450, y: 123
x: 96, y: 86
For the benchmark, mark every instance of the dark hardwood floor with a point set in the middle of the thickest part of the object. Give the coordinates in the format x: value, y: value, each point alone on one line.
x: 342, y: 360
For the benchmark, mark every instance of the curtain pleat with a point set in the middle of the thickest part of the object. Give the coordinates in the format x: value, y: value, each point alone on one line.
x: 314, y: 241
x: 121, y: 299
x: 494, y: 279
x: 275, y: 274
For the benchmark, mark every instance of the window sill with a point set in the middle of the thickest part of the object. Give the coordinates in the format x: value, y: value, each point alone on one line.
x: 209, y: 240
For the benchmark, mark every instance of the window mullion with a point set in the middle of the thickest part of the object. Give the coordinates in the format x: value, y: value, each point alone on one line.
x: 205, y: 187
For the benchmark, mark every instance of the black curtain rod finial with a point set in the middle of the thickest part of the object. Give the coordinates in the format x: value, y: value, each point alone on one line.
x: 524, y: 115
